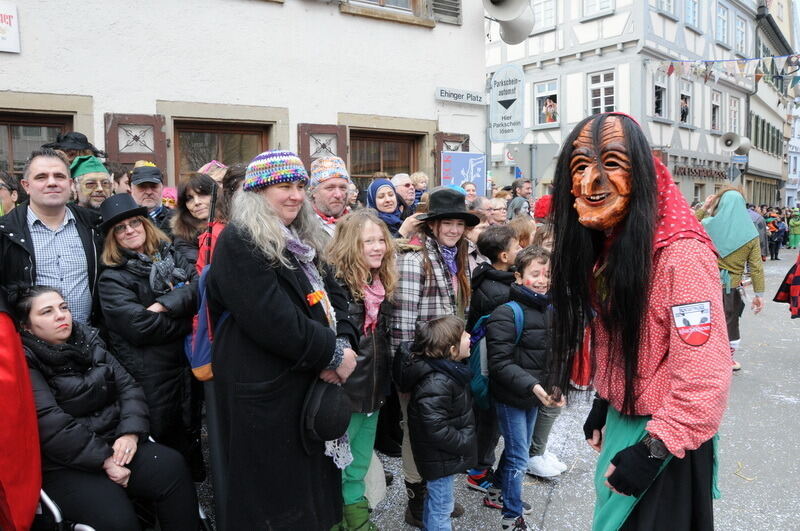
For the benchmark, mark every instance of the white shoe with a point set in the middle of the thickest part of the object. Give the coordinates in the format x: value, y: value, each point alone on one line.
x: 539, y: 466
x: 555, y: 461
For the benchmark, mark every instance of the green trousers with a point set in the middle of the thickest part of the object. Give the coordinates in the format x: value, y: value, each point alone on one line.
x: 361, y: 432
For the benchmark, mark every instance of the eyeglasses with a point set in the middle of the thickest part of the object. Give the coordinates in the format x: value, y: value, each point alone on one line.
x: 97, y: 184
x: 135, y: 223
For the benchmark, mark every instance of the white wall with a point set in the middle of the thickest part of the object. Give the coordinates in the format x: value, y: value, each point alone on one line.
x: 303, y: 55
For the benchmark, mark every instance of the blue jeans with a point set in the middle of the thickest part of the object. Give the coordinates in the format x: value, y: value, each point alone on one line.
x: 516, y: 427
x: 439, y: 503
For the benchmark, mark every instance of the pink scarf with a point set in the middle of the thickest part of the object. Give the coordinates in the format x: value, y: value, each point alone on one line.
x: 373, y: 297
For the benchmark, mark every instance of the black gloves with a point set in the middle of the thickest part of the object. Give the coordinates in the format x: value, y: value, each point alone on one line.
x: 635, y: 470
x: 597, y: 417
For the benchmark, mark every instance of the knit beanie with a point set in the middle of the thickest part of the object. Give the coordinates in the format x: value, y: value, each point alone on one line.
x: 273, y: 167
x: 325, y: 168
x: 86, y: 164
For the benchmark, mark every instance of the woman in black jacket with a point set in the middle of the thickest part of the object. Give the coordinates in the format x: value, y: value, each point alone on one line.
x: 148, y: 298
x: 93, y: 426
x: 362, y: 256
x: 440, y: 419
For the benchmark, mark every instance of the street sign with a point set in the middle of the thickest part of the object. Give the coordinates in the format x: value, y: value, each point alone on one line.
x: 507, y: 104
x: 460, y: 96
x: 738, y: 159
x: 733, y: 172
x: 459, y: 167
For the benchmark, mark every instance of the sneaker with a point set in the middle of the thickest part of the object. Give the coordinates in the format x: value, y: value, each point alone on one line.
x: 513, y: 524
x: 481, y: 482
x: 494, y: 500
x: 736, y: 366
x: 555, y: 461
x: 540, y: 467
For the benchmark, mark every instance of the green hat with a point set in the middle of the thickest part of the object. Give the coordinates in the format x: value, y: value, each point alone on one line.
x: 86, y: 164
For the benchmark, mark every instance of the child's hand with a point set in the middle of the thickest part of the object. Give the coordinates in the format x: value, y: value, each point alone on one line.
x: 548, y: 400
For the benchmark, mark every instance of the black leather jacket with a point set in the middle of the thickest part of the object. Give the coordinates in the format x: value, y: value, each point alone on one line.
x: 368, y: 386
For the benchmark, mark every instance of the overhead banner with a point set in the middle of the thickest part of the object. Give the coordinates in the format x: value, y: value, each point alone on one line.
x: 461, y: 167
x: 507, y: 104
x: 9, y: 27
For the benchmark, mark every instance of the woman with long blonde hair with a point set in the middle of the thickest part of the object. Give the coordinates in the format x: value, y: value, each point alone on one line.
x: 362, y: 255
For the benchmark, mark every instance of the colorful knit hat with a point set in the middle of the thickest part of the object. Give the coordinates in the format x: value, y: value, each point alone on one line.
x: 325, y: 168
x: 273, y: 167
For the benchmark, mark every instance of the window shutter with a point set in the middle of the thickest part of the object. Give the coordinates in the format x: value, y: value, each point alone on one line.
x: 448, y: 11
x: 320, y: 140
x: 132, y: 137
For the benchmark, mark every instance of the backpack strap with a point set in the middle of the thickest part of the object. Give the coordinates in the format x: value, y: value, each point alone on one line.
x: 519, y: 319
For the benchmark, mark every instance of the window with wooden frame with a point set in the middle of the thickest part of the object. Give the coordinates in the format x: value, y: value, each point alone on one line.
x: 197, y: 143
x: 20, y: 134
x: 373, y: 151
x: 601, y: 92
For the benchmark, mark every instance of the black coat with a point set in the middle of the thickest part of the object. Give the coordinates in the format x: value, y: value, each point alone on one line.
x: 489, y: 290
x: 187, y: 248
x: 515, y: 369
x: 370, y: 382
x: 266, y: 354
x: 163, y: 220
x: 84, y: 400
x: 440, y: 419
x: 150, y: 345
x: 18, y: 260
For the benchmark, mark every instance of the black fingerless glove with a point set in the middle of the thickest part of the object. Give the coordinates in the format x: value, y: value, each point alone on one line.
x: 635, y: 470
x: 597, y: 417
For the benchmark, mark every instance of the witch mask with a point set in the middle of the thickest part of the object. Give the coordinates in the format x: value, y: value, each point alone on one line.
x: 601, y: 175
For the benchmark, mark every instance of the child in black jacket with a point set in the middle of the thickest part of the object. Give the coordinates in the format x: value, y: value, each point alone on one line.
x: 440, y: 419
x: 517, y: 371
x: 490, y: 285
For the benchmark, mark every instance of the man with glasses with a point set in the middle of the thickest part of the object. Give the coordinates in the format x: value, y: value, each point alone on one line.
x: 93, y: 183
x: 405, y: 189
x: 47, y: 241
x: 8, y: 192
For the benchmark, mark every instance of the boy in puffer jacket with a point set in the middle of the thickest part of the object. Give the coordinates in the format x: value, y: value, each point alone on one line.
x: 440, y: 419
x: 517, y: 370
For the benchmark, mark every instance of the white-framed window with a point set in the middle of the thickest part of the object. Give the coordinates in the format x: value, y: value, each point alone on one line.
x: 660, y: 98
x: 666, y: 5
x: 685, y: 107
x: 692, y: 13
x: 716, y: 110
x: 722, y: 23
x: 733, y: 114
x: 405, y: 5
x: 544, y: 13
x: 546, y: 97
x: 601, y: 92
x: 699, y: 193
x: 592, y: 7
x: 740, y: 35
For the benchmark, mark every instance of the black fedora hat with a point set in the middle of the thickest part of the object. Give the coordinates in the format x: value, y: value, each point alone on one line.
x: 325, y: 415
x: 73, y: 140
x: 119, y: 207
x: 446, y: 203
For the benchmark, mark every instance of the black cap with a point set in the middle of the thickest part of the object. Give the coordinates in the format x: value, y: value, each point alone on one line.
x: 446, y: 203
x: 146, y: 174
x: 119, y: 207
x: 73, y: 140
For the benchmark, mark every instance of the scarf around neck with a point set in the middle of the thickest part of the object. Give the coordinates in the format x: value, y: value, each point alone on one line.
x: 730, y: 227
x: 392, y: 219
x: 374, y: 294
x: 305, y: 255
x: 449, y: 256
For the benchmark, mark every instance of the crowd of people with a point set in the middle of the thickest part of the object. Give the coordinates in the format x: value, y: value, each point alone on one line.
x: 422, y: 323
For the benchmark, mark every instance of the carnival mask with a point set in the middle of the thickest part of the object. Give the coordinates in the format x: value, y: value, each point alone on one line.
x: 601, y: 175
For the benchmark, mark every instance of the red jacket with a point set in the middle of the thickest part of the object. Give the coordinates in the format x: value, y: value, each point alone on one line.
x: 685, y: 361
x: 20, y: 461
